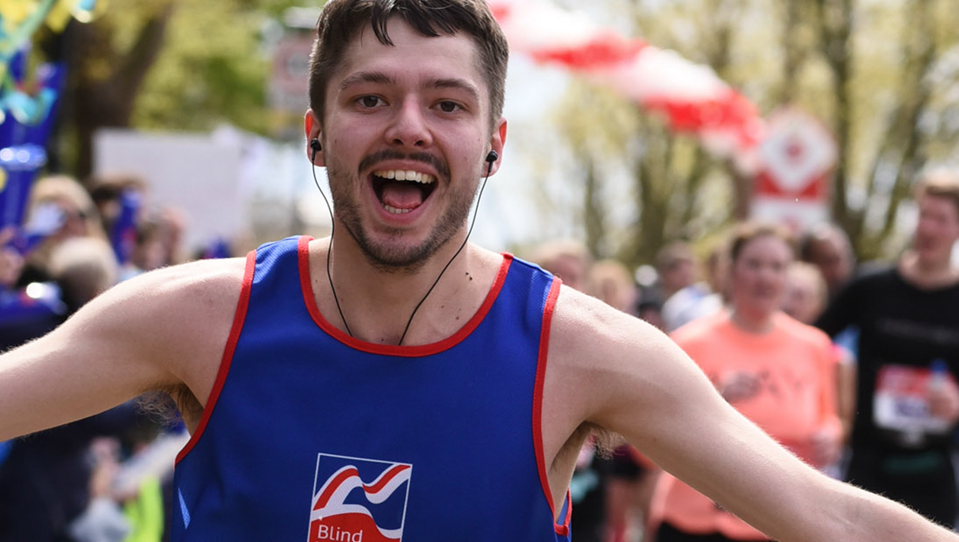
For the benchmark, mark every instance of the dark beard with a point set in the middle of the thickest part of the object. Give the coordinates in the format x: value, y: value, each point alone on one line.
x: 399, y: 261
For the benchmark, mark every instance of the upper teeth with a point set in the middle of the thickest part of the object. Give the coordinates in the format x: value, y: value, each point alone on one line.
x: 409, y: 175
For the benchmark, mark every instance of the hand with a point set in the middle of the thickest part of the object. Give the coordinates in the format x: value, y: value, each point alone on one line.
x: 739, y: 385
x: 105, y: 453
x: 11, y: 263
x: 826, y: 446
x: 944, y: 401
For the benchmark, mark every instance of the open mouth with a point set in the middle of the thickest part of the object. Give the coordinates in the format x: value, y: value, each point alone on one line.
x: 402, y: 191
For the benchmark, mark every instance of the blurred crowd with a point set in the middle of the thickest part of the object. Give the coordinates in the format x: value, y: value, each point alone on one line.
x: 105, y: 478
x: 852, y: 367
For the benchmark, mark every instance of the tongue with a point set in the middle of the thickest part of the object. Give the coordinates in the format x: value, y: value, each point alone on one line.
x: 401, y: 195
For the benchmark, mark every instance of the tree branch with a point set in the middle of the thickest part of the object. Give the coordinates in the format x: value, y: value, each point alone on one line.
x: 134, y: 66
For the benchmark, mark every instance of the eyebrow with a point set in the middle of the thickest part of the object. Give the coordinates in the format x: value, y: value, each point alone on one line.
x: 382, y: 78
x: 453, y: 83
x: 365, y: 77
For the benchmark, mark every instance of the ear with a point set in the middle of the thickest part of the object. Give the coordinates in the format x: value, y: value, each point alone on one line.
x: 311, y: 127
x: 497, y: 142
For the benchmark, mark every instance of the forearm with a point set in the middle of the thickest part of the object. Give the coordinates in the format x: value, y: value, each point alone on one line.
x: 791, y: 502
x: 860, y: 516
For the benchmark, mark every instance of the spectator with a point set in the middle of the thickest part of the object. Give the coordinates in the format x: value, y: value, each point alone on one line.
x: 71, y: 206
x: 45, y: 481
x: 11, y: 262
x: 650, y: 308
x: 172, y: 224
x: 676, y: 266
x: 107, y: 192
x: 826, y: 246
x: 610, y: 281
x: 565, y: 258
x: 908, y: 359
x: 83, y: 267
x: 686, y: 299
x: 806, y: 297
x: 717, y: 275
x: 148, y: 252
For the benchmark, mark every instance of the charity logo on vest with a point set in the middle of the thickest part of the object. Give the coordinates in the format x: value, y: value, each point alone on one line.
x: 359, y: 500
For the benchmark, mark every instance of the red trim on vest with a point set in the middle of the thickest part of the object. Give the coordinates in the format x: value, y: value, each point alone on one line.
x: 538, y: 404
x: 563, y: 530
x: 303, y: 254
x: 238, y: 318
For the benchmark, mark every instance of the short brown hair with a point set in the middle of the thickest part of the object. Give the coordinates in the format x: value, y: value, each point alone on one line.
x: 745, y: 232
x: 672, y: 255
x: 343, y: 20
x: 940, y: 183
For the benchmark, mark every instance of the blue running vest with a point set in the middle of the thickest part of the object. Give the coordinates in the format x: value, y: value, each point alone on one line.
x: 310, y: 435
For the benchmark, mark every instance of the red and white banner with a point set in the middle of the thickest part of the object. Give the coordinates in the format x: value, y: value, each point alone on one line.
x: 691, y: 96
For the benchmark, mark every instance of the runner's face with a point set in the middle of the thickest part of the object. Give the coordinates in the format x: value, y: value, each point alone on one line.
x: 759, y: 276
x: 937, y: 230
x: 404, y: 138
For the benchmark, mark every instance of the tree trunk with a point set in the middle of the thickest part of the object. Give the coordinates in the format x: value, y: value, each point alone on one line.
x: 595, y: 210
x: 835, y: 26
x: 104, y: 93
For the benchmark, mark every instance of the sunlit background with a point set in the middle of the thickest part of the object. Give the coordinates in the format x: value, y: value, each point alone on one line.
x: 205, y: 101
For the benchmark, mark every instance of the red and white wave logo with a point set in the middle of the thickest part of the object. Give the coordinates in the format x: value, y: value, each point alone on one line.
x: 359, y: 500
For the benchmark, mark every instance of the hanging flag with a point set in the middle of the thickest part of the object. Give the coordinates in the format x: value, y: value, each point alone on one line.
x: 691, y: 97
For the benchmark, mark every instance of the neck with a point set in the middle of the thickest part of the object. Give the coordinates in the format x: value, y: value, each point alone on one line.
x: 755, y: 323
x: 928, y: 273
x: 379, y: 303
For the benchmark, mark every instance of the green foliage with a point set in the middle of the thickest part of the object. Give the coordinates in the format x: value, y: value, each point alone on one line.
x: 212, y: 69
x: 880, y: 74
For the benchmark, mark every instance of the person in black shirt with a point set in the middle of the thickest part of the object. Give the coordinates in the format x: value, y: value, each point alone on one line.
x: 907, y: 398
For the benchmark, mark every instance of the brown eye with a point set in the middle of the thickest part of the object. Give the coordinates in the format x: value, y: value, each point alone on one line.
x: 449, y: 107
x: 369, y: 101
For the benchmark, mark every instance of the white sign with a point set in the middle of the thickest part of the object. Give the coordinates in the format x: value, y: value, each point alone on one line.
x: 796, y: 162
x: 193, y: 173
x: 797, y: 151
x: 289, y: 82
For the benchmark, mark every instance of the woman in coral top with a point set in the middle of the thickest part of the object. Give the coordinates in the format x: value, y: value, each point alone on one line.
x: 775, y: 370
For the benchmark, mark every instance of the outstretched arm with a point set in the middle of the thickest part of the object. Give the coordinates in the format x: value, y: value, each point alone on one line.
x: 640, y: 384
x: 160, y: 330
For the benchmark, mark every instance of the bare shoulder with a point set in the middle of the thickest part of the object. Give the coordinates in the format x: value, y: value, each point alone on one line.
x: 617, y: 371
x: 590, y: 335
x: 180, y: 315
x: 206, y: 286
x: 168, y: 296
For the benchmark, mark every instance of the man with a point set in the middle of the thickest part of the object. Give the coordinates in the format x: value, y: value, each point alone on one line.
x: 330, y: 413
x: 908, y: 321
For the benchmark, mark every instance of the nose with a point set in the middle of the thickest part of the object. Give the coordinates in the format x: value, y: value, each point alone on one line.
x: 409, y: 126
x: 926, y: 226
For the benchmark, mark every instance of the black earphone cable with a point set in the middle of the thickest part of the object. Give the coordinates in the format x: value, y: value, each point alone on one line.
x: 329, y: 249
x: 490, y: 158
x: 489, y: 168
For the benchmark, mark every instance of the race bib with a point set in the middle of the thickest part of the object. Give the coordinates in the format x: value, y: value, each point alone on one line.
x: 901, y: 402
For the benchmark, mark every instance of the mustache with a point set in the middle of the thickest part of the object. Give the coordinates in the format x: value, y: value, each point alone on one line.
x: 424, y: 157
